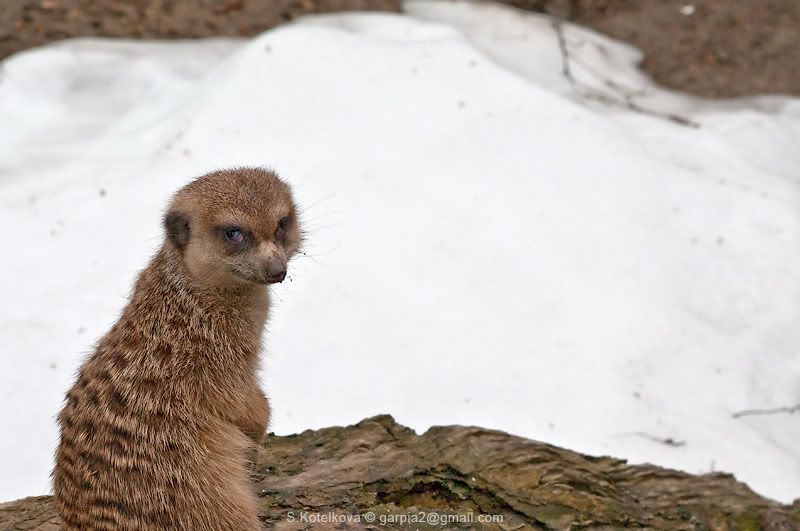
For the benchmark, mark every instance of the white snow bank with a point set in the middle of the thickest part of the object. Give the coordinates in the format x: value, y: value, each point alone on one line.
x: 486, y: 246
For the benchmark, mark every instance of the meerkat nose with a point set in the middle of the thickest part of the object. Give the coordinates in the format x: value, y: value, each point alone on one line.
x: 276, y: 270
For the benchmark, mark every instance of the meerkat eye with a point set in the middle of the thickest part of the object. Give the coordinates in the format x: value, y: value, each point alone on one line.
x: 234, y: 235
x: 283, y: 224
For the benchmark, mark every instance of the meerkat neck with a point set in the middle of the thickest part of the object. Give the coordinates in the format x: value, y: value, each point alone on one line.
x: 165, y: 287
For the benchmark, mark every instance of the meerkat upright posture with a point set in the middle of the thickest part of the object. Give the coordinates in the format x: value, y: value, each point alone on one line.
x: 157, y: 431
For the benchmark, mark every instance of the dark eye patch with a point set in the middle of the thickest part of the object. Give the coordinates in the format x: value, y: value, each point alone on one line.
x: 283, y: 224
x: 237, y: 238
x: 234, y: 235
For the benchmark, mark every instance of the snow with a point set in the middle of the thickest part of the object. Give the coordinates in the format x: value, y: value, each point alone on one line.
x: 487, y: 245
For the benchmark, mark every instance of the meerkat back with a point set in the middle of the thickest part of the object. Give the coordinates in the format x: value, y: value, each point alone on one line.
x: 158, y: 429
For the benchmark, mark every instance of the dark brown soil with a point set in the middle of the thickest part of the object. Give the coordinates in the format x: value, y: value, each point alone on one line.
x: 28, y: 23
x: 724, y: 48
x: 714, y: 48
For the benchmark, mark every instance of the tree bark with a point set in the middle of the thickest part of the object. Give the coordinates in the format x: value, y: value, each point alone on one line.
x: 378, y: 475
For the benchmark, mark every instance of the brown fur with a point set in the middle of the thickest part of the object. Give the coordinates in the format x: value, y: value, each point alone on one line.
x: 157, y: 430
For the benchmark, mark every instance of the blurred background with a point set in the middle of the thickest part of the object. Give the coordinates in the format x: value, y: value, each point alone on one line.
x: 708, y: 47
x: 576, y: 221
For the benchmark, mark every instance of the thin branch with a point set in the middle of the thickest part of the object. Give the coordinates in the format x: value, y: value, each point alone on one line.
x: 774, y: 411
x: 566, y: 70
x: 667, y: 441
x: 626, y: 102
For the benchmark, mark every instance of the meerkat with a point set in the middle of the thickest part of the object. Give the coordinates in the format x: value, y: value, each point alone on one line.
x: 159, y: 428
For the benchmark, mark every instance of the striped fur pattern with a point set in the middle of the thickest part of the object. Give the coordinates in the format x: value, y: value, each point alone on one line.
x: 159, y: 428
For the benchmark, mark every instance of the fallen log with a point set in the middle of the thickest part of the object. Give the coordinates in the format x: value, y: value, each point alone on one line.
x: 378, y: 474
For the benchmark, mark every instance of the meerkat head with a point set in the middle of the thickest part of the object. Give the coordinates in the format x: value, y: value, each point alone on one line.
x: 234, y: 227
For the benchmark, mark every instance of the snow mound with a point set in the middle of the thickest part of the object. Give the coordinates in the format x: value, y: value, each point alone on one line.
x: 490, y: 243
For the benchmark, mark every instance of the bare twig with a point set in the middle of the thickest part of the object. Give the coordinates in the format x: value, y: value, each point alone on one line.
x: 774, y: 411
x: 626, y: 101
x: 667, y: 441
x: 558, y: 26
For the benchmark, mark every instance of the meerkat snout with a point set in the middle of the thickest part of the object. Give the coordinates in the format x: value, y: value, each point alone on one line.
x: 274, y: 263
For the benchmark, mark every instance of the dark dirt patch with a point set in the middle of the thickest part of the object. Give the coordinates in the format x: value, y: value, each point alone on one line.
x: 28, y: 23
x: 713, y: 48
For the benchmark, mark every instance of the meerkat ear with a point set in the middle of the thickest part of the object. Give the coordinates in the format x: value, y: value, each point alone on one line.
x: 178, y: 229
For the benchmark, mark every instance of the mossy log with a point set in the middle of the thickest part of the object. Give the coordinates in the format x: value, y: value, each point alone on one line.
x: 380, y: 475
